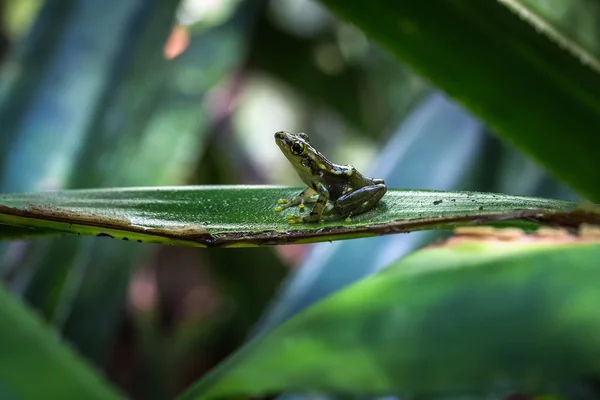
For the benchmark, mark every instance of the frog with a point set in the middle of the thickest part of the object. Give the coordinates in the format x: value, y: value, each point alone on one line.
x: 349, y: 191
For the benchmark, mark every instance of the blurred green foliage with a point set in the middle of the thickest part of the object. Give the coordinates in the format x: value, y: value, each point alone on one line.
x: 113, y: 94
x: 354, y: 343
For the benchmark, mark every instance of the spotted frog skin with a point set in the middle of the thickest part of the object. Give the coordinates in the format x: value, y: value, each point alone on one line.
x: 350, y: 191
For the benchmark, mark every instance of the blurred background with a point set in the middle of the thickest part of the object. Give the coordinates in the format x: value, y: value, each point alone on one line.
x: 165, y: 92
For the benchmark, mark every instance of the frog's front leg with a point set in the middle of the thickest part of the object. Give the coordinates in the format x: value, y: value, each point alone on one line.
x: 318, y: 208
x: 304, y: 197
x: 359, y: 200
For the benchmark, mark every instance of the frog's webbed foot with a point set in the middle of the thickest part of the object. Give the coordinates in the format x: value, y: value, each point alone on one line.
x: 283, y: 204
x: 294, y: 219
x: 304, y: 197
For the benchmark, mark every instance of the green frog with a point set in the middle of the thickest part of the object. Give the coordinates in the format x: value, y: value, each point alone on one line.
x: 350, y: 191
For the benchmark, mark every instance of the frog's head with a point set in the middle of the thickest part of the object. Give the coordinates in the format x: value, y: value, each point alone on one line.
x: 295, y: 146
x: 298, y: 150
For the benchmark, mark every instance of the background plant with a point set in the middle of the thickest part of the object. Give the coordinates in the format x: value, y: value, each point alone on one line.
x: 83, y: 106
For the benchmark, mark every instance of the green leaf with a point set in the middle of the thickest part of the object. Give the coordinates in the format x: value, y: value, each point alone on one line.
x: 572, y: 24
x: 244, y: 215
x: 36, y: 365
x: 533, y: 93
x: 468, y: 318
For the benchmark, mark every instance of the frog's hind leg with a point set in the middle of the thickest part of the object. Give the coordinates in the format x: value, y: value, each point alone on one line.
x: 359, y: 200
x: 306, y: 196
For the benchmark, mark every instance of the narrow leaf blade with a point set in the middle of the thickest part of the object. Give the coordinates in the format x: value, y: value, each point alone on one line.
x: 35, y: 365
x: 244, y: 215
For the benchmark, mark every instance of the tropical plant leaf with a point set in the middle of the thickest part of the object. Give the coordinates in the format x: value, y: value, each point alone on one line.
x: 473, y: 317
x: 244, y: 215
x: 528, y: 89
x: 35, y: 365
x: 572, y: 24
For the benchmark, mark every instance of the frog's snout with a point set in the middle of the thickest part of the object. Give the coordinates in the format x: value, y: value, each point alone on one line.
x: 282, y: 138
x: 281, y: 135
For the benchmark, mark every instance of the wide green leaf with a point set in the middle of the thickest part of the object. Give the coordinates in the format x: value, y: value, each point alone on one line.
x: 36, y: 365
x: 469, y: 318
x: 244, y: 215
x: 572, y: 24
x: 521, y: 83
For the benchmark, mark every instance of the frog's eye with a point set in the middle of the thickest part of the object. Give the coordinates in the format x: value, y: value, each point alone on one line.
x: 304, y: 137
x: 297, y: 148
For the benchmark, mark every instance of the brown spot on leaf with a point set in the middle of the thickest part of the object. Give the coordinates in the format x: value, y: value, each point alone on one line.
x: 542, y: 235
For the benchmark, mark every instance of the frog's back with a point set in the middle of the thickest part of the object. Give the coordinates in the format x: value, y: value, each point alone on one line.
x: 359, y: 180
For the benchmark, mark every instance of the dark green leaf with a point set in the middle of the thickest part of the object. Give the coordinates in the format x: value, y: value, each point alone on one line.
x: 244, y: 215
x: 469, y: 318
x: 521, y: 83
x: 36, y: 365
x: 573, y: 24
